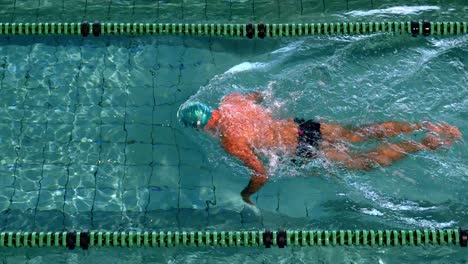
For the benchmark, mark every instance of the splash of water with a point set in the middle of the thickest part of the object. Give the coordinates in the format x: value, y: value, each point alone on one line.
x: 395, y: 10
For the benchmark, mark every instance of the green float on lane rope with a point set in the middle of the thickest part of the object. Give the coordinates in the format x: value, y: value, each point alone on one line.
x: 259, y: 30
x: 296, y: 238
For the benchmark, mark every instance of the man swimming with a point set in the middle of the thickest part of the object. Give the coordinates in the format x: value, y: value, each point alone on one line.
x: 247, y: 129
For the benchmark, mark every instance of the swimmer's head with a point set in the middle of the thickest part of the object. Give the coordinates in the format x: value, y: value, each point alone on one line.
x: 194, y: 114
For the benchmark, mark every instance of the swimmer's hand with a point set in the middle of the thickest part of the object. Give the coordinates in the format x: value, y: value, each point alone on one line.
x: 246, y: 197
x: 255, y: 96
x: 255, y: 183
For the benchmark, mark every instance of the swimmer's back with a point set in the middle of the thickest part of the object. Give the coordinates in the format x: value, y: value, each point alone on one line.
x: 245, y: 121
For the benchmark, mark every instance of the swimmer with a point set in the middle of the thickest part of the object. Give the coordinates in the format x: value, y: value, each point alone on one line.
x: 247, y: 129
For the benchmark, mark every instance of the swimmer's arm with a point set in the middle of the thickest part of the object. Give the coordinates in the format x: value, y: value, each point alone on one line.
x: 244, y: 153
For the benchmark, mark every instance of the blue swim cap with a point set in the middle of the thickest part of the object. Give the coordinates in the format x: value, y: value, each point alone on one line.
x: 194, y: 114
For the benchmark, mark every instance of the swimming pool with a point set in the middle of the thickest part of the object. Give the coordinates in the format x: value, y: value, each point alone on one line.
x: 90, y: 140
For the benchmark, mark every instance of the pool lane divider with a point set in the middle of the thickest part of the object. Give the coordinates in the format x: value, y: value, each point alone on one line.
x: 265, y: 238
x: 250, y: 30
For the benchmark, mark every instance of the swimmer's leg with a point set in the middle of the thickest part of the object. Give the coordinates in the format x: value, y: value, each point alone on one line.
x: 388, y: 129
x: 384, y: 155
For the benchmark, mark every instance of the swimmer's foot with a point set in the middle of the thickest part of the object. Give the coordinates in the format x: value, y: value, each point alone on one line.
x: 443, y: 129
x: 434, y: 142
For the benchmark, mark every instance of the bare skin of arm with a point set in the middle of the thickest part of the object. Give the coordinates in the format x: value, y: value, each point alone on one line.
x: 240, y: 148
x: 259, y: 178
x: 243, y: 151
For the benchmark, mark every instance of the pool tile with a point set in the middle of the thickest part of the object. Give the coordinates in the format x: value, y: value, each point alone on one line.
x: 51, y: 200
x: 136, y: 177
x: 164, y: 176
x: 163, y: 199
x: 139, y: 114
x: 24, y: 201
x: 139, y: 153
x: 108, y: 200
x: 81, y: 176
x: 166, y: 155
x: 138, y: 134
x: 135, y: 200
x: 163, y: 135
x: 109, y: 175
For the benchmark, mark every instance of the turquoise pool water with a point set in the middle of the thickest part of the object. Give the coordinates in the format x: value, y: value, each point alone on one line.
x: 89, y: 137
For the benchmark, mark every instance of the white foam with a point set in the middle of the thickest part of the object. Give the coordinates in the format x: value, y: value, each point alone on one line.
x: 290, y: 47
x: 273, y: 160
x: 247, y: 66
x: 372, y: 211
x: 406, y: 206
x: 257, y: 212
x: 427, y: 223
x: 385, y: 203
x: 399, y: 10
